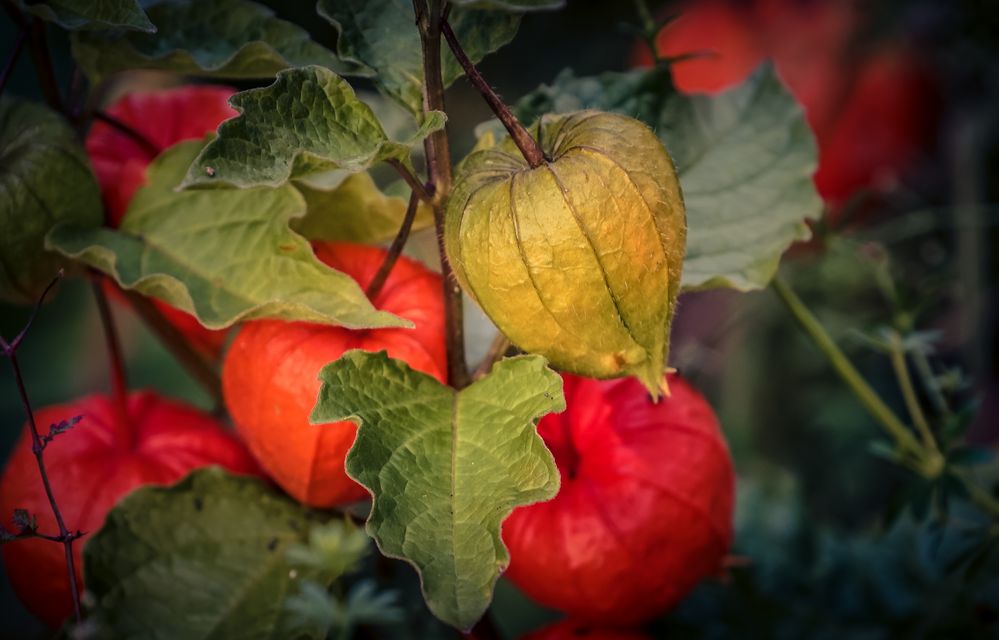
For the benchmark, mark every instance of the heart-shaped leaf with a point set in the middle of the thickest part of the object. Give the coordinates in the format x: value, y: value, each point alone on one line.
x: 208, y: 38
x: 90, y: 14
x: 309, y: 121
x: 222, y: 255
x: 445, y: 467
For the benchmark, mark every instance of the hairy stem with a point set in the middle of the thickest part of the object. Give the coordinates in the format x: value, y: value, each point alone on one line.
x: 377, y: 282
x: 429, y: 18
x: 148, y: 146
x: 897, y: 354
x: 8, y: 67
x: 497, y: 349
x: 847, y: 372
x: 65, y: 537
x: 197, y: 365
x: 119, y: 386
x: 410, y: 179
x: 528, y: 146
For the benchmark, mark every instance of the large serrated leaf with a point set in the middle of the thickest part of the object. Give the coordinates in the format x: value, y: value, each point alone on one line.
x: 745, y: 159
x: 45, y: 179
x: 91, y: 14
x: 382, y: 35
x: 356, y: 210
x: 445, y: 467
x: 309, y: 121
x: 203, y: 559
x: 222, y: 255
x: 208, y: 38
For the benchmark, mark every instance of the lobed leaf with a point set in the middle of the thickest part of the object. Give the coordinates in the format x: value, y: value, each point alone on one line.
x: 45, y: 179
x: 745, y: 160
x: 445, y: 467
x: 309, y: 121
x: 208, y: 38
x: 205, y: 558
x: 90, y: 14
x: 221, y: 255
x: 381, y: 34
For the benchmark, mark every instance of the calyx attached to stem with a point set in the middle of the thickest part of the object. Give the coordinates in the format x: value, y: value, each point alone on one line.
x: 578, y: 259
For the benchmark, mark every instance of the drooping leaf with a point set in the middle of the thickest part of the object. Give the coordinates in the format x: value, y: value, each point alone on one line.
x: 205, y: 558
x: 745, y: 159
x: 445, y: 467
x: 90, y: 14
x: 208, y: 38
x: 512, y: 5
x: 45, y: 179
x: 221, y: 255
x: 309, y: 121
x: 356, y: 211
x: 382, y: 35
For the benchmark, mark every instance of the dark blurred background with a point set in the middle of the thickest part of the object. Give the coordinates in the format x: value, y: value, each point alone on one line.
x: 905, y: 94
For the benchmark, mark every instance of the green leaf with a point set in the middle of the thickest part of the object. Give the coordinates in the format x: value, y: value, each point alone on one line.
x: 91, y: 14
x: 445, y: 467
x: 45, y: 179
x: 382, y: 35
x: 309, y: 121
x: 745, y: 159
x: 355, y: 211
x: 222, y: 255
x: 208, y: 38
x: 512, y: 5
x: 205, y: 558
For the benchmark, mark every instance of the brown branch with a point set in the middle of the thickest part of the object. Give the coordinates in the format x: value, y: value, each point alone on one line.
x: 410, y: 179
x: 377, y: 282
x: 197, y: 365
x: 429, y: 20
x: 65, y: 536
x: 116, y: 362
x: 8, y: 67
x: 528, y: 146
x: 148, y: 146
x: 497, y: 349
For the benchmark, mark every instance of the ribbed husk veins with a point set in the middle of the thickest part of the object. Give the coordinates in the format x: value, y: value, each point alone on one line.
x: 579, y: 259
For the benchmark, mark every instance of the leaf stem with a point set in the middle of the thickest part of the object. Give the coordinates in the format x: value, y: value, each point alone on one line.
x: 65, y: 537
x: 377, y: 282
x: 428, y: 21
x: 528, y: 146
x: 148, y: 146
x: 197, y: 365
x: 497, y: 349
x: 897, y: 355
x: 410, y: 179
x: 119, y: 386
x: 8, y: 67
x: 847, y: 372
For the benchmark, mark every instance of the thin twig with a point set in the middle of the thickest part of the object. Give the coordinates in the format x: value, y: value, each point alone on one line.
x: 8, y: 67
x: 116, y: 363
x: 43, y: 65
x: 200, y: 368
x: 497, y: 349
x: 410, y: 179
x: 521, y: 137
x: 148, y: 146
x: 439, y: 169
x: 377, y: 282
x: 847, y: 372
x: 897, y: 355
x: 65, y: 537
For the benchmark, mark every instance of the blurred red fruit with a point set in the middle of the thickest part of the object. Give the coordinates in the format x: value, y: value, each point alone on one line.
x: 163, y: 118
x: 91, y: 468
x: 270, y: 375
x: 645, y: 508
